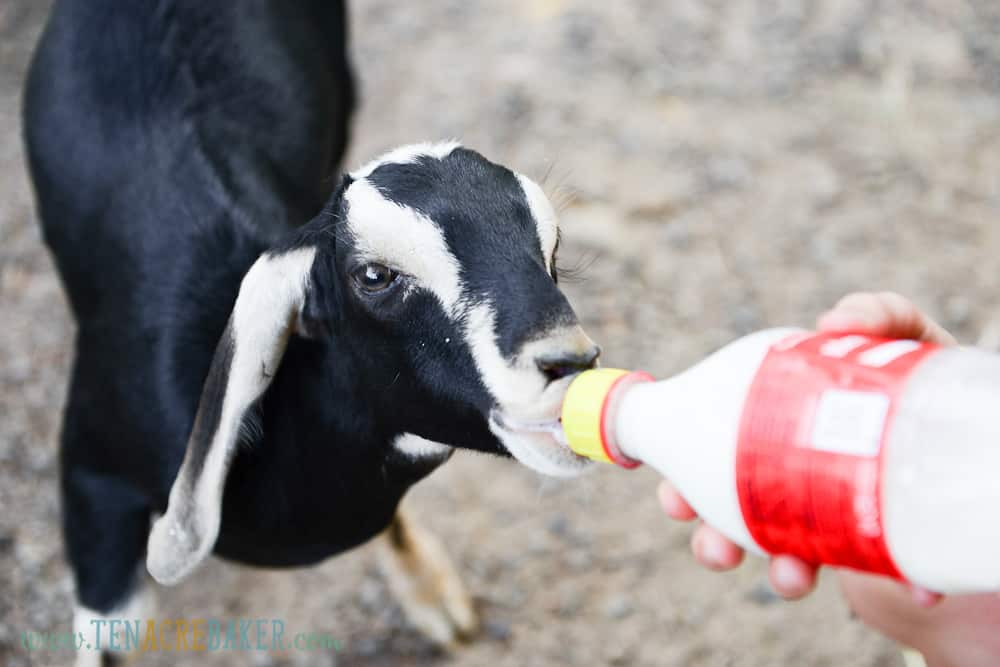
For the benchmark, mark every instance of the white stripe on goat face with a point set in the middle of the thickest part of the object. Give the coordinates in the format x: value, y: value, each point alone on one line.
x: 546, y: 221
x: 404, y: 239
x: 517, y: 387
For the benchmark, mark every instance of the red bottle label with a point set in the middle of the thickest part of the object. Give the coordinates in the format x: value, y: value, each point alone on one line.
x: 811, y: 440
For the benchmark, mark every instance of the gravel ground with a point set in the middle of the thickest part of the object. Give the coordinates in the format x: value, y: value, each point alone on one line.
x: 722, y: 166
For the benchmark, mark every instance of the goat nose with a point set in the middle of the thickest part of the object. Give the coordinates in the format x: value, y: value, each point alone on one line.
x: 558, y: 366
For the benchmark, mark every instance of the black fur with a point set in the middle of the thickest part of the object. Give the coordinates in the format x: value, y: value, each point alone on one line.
x: 170, y: 144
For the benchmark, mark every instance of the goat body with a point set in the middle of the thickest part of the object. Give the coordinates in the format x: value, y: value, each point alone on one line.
x: 178, y: 149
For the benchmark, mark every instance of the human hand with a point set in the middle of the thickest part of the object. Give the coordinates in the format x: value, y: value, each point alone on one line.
x: 790, y: 577
x: 884, y: 314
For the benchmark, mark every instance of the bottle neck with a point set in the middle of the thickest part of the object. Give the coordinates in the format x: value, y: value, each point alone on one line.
x: 638, y: 420
x: 611, y: 417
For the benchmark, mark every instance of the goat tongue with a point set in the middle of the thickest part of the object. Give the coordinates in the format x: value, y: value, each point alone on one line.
x: 551, y: 426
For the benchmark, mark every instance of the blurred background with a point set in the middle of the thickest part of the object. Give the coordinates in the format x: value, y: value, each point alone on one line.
x: 722, y: 166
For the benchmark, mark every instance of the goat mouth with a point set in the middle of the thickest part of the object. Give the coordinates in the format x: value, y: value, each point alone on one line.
x: 537, y: 443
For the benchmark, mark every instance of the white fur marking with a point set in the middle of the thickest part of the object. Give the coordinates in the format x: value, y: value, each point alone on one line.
x: 420, y: 448
x: 406, y: 155
x: 510, y: 386
x: 545, y: 217
x: 138, y: 607
x: 269, y: 300
x: 404, y: 239
x: 518, y: 386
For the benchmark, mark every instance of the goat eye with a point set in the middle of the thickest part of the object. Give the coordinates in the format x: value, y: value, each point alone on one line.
x: 374, y: 277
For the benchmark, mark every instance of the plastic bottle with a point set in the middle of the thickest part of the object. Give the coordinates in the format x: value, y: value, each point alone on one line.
x: 845, y: 450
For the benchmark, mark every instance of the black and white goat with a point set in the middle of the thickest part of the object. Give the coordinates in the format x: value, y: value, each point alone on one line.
x: 177, y: 148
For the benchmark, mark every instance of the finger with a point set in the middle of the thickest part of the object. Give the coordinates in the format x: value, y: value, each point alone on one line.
x: 908, y: 321
x: 713, y: 550
x: 673, y: 503
x: 883, y: 314
x: 862, y: 312
x: 923, y: 597
x: 791, y: 577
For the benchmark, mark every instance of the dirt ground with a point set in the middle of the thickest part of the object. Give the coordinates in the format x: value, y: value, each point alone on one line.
x: 723, y: 166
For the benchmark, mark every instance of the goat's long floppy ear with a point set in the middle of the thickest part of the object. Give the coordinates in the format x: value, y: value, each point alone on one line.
x: 268, y: 306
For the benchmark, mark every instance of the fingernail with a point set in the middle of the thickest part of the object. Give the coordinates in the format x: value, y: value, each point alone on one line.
x: 784, y: 580
x: 923, y: 597
x: 713, y: 553
x: 662, y: 492
x: 788, y: 581
x: 698, y: 546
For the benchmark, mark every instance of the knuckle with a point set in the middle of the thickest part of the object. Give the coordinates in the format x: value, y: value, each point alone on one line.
x: 898, y: 308
x: 892, y: 300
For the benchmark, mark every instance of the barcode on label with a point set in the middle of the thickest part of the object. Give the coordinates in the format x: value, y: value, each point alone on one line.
x: 850, y: 422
